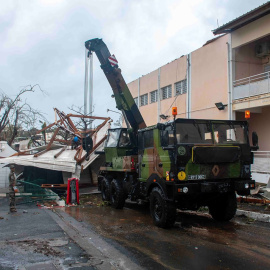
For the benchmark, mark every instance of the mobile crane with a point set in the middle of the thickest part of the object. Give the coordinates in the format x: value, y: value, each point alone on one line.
x: 184, y: 163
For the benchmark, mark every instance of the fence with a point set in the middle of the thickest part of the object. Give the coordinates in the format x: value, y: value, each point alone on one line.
x: 31, y: 192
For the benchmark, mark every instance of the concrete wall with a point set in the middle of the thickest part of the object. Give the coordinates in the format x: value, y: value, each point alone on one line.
x: 169, y: 75
x: 246, y: 62
x: 209, y: 84
x: 149, y: 83
x: 258, y: 123
x: 209, y: 79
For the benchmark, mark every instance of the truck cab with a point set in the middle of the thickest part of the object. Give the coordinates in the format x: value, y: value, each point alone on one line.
x: 192, y: 163
x: 190, y: 152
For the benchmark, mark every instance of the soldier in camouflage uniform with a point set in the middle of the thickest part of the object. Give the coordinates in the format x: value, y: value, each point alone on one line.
x: 12, y: 184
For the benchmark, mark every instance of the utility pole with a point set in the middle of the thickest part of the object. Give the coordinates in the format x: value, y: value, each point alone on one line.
x: 86, y: 81
x: 88, y: 84
x: 91, y: 88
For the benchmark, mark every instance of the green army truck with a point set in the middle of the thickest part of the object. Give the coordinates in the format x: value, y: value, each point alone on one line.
x: 181, y: 164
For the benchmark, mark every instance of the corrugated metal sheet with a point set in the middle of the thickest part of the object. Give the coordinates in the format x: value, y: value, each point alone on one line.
x: 65, y: 162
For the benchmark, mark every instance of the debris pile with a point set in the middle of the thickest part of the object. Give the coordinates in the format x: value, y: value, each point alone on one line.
x: 67, y: 135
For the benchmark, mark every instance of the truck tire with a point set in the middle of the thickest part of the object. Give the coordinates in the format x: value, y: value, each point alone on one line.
x: 105, y: 189
x: 162, y: 211
x: 224, y: 208
x: 117, y: 194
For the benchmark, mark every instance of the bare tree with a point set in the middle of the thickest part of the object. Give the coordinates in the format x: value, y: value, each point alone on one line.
x: 16, y: 114
x: 81, y: 123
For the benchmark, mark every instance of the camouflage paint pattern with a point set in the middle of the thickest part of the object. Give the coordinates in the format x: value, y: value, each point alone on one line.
x: 122, y: 164
x: 156, y: 159
x: 114, y: 152
x: 213, y: 171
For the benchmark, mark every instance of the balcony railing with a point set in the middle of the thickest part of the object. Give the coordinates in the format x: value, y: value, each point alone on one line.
x: 251, y: 86
x: 261, y: 162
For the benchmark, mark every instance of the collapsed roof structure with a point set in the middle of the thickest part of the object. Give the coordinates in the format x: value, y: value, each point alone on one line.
x: 71, y: 155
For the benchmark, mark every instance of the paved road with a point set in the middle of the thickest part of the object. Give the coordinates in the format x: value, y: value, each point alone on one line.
x: 37, y: 238
x: 195, y: 242
x: 30, y: 239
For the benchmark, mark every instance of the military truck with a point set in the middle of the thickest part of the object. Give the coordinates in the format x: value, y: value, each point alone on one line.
x: 181, y: 164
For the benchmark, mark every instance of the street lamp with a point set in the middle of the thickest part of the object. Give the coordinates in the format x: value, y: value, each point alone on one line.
x: 108, y: 110
x: 220, y: 105
x: 119, y: 121
x: 163, y: 116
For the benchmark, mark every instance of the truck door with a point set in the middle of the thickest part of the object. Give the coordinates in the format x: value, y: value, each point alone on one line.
x: 146, y: 154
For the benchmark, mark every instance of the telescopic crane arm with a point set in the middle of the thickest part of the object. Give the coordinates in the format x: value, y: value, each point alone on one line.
x: 123, y: 97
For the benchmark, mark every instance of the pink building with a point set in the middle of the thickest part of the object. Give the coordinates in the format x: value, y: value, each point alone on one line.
x: 232, y: 69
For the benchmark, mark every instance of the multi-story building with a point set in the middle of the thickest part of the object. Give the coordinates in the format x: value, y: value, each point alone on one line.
x: 226, y: 76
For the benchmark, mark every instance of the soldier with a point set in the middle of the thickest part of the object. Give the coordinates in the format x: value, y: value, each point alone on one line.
x: 12, y: 184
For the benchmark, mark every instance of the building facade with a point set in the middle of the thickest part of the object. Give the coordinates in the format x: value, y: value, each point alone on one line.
x: 226, y: 76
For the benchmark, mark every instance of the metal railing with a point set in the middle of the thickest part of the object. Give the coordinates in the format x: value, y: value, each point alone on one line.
x: 252, y: 86
x: 261, y: 162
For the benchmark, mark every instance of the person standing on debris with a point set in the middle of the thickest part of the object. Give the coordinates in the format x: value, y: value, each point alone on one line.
x: 12, y: 184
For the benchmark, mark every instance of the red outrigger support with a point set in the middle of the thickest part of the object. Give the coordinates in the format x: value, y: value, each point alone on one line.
x: 73, y: 191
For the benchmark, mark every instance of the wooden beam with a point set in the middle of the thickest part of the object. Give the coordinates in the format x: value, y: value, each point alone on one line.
x: 54, y: 185
x: 89, y: 117
x: 49, y: 144
x: 78, y: 154
x: 93, y: 149
x: 60, y: 152
x: 49, y: 126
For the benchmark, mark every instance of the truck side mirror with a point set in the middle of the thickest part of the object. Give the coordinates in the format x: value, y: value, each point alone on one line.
x: 160, y: 126
x: 254, y: 138
x: 255, y: 141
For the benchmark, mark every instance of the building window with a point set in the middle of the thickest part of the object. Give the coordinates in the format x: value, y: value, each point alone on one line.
x: 153, y: 96
x: 144, y: 100
x: 166, y: 92
x: 180, y: 87
x: 136, y: 100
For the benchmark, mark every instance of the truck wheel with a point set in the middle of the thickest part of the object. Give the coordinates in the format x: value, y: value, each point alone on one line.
x: 117, y: 194
x: 162, y: 211
x: 224, y: 208
x: 105, y: 189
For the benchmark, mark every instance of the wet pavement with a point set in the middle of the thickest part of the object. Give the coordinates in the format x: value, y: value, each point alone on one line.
x: 96, y: 236
x: 46, y: 238
x: 31, y: 239
x: 195, y: 242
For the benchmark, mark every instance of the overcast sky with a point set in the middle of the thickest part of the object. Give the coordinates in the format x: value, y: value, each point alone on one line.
x: 42, y: 42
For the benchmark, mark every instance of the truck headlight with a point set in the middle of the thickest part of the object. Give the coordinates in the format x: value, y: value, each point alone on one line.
x: 185, y: 189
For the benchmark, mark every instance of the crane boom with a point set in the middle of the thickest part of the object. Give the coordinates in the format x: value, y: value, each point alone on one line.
x: 123, y: 97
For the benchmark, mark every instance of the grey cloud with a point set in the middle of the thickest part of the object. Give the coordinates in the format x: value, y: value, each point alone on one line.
x: 43, y: 42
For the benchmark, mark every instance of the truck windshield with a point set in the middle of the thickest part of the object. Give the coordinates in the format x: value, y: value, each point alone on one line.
x: 227, y: 133
x: 209, y: 133
x: 113, y: 137
x: 193, y: 133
